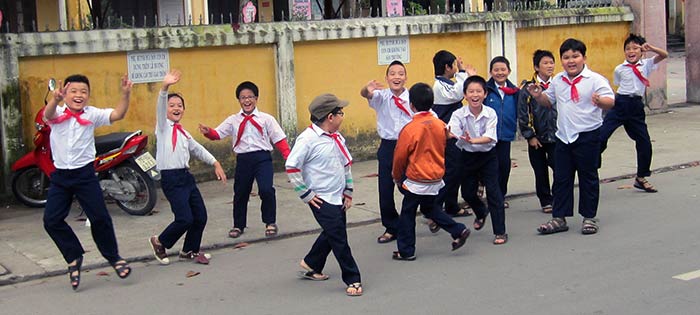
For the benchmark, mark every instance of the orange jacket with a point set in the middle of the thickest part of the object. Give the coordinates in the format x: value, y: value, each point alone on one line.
x: 420, y: 149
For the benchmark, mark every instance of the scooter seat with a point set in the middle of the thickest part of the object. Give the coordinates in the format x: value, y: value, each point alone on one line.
x: 110, y: 142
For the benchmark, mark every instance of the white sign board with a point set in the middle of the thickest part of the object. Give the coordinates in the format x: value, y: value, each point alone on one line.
x: 148, y: 65
x: 393, y: 48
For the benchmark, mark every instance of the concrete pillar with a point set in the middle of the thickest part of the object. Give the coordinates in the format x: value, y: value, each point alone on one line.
x: 510, y: 49
x: 286, y: 83
x: 692, y: 52
x: 11, y: 135
x: 650, y: 22
x: 494, y: 43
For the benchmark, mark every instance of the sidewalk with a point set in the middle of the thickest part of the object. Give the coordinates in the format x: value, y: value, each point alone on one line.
x: 28, y: 253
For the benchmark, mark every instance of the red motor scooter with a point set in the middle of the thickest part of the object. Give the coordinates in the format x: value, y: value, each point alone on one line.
x: 125, y: 169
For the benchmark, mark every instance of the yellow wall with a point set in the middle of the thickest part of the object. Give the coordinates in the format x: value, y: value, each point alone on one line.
x: 209, y: 81
x: 603, y: 44
x: 343, y: 67
x: 197, y: 10
x: 47, y: 15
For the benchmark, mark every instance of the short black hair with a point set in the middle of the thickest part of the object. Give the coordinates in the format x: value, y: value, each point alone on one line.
x: 317, y: 121
x: 393, y: 63
x: 474, y: 79
x: 421, y: 96
x: 441, y: 59
x: 539, y: 54
x: 77, y: 78
x: 247, y: 85
x: 573, y: 45
x: 499, y: 59
x: 171, y: 95
x: 634, y: 38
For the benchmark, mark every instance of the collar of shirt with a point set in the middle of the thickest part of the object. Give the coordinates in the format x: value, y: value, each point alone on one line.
x: 483, y: 115
x: 640, y: 63
x: 586, y: 73
x: 255, y: 112
x: 540, y: 80
x: 319, y: 132
x: 445, y: 80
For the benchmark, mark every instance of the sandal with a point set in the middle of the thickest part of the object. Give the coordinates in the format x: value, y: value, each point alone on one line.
x: 122, y: 268
x: 479, y: 223
x: 461, y: 213
x: 461, y: 240
x: 555, y: 225
x: 547, y: 209
x: 385, y: 238
x: 313, y: 276
x: 506, y: 205
x: 235, y: 232
x: 75, y: 279
x: 271, y: 230
x: 433, y: 227
x: 398, y: 256
x: 589, y: 226
x: 354, y: 289
x: 500, y: 239
x: 643, y: 184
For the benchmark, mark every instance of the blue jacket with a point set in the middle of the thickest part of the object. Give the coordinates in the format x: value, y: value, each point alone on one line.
x: 506, y: 110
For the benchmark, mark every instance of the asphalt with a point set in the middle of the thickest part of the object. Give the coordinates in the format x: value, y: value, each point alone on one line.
x: 28, y: 253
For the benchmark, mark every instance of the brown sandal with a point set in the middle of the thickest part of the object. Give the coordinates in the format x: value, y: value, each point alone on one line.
x: 500, y: 239
x: 555, y: 225
x: 643, y: 184
x: 235, y: 233
x: 271, y: 230
x: 354, y: 289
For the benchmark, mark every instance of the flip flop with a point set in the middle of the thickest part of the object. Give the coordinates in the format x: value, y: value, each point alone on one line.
x: 313, y: 276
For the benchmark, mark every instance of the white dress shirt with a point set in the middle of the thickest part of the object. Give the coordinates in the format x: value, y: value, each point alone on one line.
x: 582, y: 116
x: 627, y: 81
x: 251, y: 139
x: 73, y: 144
x: 390, y: 118
x: 321, y: 162
x: 484, y: 125
x: 447, y: 92
x: 166, y: 157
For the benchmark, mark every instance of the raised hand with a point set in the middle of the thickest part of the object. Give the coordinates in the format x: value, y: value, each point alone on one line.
x: 126, y: 85
x: 646, y: 47
x: 460, y: 63
x: 60, y: 93
x: 171, y: 78
x: 204, y: 129
x: 374, y: 85
x: 470, y: 70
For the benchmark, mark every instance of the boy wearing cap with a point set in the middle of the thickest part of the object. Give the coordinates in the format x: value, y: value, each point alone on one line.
x: 253, y: 133
x: 319, y: 169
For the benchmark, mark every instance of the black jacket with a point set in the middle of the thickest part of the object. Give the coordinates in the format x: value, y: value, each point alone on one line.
x: 535, y: 120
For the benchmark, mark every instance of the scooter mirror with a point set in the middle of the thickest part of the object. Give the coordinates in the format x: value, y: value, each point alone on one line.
x: 52, y: 84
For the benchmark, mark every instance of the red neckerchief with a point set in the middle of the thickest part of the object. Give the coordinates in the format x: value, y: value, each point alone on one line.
x: 177, y: 127
x: 336, y: 138
x: 399, y: 104
x: 638, y: 73
x: 241, y: 127
x: 67, y: 114
x: 574, y: 91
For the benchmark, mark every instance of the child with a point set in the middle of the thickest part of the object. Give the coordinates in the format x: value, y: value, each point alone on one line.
x: 448, y: 97
x: 502, y: 96
x: 419, y: 165
x: 319, y: 169
x: 631, y: 79
x: 72, y: 140
x: 393, y: 113
x: 580, y: 95
x: 174, y: 146
x: 538, y: 125
x: 476, y: 126
x: 252, y: 134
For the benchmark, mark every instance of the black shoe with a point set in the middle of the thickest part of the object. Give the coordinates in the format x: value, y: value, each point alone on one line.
x: 397, y: 256
x: 461, y: 240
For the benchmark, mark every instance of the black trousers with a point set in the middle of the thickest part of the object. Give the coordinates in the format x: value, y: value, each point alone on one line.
x: 484, y: 166
x: 406, y: 239
x: 629, y: 112
x: 447, y: 196
x: 541, y: 160
x: 83, y: 184
x: 581, y: 158
x: 188, y: 207
x: 334, y: 237
x: 503, y: 152
x: 249, y: 167
x: 387, y: 206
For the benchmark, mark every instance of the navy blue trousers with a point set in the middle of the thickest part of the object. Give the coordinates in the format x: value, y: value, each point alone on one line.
x: 333, y: 237
x: 406, y: 239
x: 83, y: 184
x: 483, y: 166
x: 447, y: 196
x: 629, y: 112
x: 253, y: 166
x: 503, y: 152
x: 188, y: 207
x: 387, y: 206
x: 581, y: 158
x: 541, y: 160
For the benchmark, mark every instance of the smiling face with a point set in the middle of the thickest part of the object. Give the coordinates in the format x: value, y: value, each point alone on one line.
x: 573, y: 62
x: 396, y: 78
x: 475, y: 95
x: 633, y: 52
x: 77, y: 96
x: 500, y: 73
x: 176, y: 108
x: 545, y: 69
x: 248, y: 101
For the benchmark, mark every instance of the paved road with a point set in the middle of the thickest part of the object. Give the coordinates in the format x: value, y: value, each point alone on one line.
x: 627, y: 268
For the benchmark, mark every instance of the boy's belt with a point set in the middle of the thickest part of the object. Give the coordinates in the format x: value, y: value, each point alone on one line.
x: 628, y: 96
